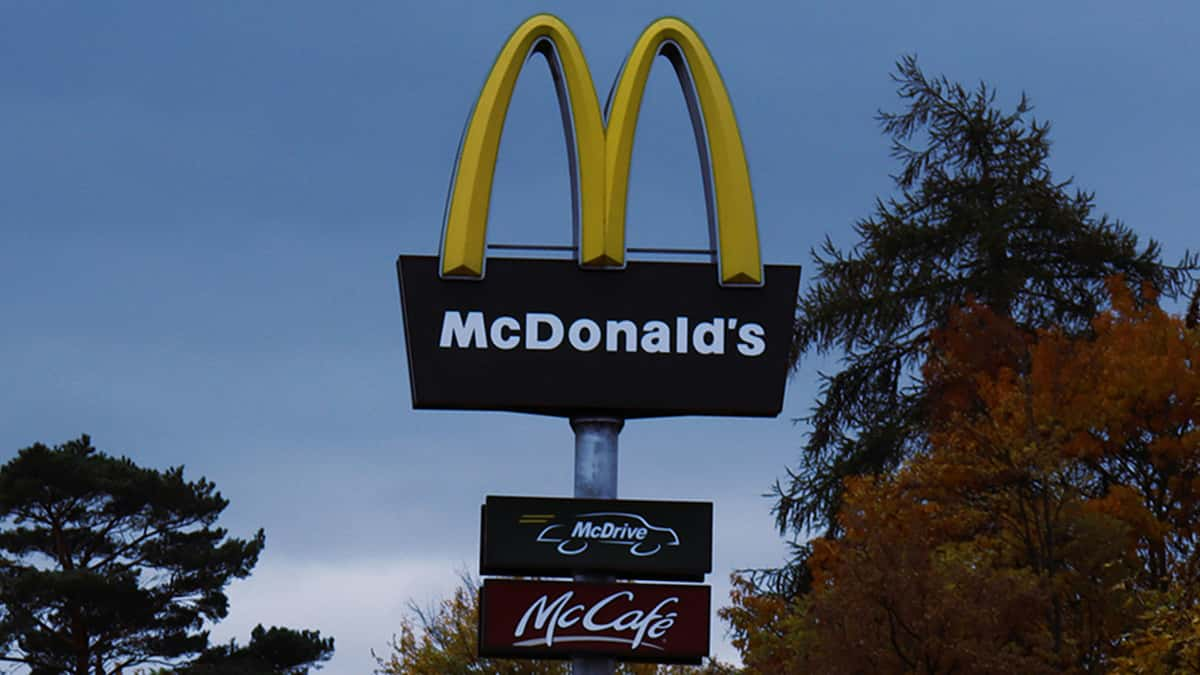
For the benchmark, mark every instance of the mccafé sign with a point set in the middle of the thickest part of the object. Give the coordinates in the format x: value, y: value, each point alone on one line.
x: 657, y: 622
x: 600, y: 334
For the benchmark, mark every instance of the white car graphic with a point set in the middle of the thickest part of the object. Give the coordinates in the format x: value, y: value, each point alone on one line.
x: 614, y: 528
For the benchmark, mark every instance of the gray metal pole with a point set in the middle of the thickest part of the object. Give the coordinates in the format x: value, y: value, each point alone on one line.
x: 595, y: 478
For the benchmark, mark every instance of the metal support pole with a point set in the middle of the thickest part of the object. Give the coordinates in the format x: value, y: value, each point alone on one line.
x: 595, y: 478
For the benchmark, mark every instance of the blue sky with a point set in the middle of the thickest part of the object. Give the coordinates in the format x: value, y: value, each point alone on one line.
x: 201, y: 205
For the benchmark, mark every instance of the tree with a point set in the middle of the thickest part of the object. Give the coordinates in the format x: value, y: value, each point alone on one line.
x: 1168, y: 641
x: 1193, y: 314
x: 105, y: 565
x: 273, y: 651
x: 443, y: 640
x: 978, y: 215
x: 771, y: 630
x: 1051, y: 525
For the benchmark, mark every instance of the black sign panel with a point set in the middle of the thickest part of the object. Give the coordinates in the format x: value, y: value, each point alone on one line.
x: 537, y: 536
x: 545, y: 336
x: 629, y: 622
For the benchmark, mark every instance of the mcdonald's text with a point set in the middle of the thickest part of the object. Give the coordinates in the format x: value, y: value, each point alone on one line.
x: 541, y: 331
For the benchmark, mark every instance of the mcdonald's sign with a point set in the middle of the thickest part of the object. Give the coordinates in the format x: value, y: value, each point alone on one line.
x: 600, y: 334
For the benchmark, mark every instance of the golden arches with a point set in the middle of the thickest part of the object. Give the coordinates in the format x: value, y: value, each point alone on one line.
x: 600, y: 154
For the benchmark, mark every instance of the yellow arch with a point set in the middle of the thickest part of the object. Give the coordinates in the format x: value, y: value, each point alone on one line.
x: 722, y: 156
x: 465, y: 233
x: 599, y: 158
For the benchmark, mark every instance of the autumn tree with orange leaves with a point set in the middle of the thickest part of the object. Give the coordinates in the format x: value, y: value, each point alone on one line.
x: 1050, y: 527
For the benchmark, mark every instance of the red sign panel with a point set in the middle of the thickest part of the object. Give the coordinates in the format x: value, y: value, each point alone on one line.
x: 625, y: 621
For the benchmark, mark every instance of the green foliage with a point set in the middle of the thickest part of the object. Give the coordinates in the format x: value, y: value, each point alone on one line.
x: 1192, y: 318
x: 274, y: 651
x: 105, y: 565
x: 978, y: 215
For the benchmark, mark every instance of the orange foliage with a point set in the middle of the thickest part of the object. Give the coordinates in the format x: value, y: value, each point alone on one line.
x: 767, y: 629
x: 1057, y: 507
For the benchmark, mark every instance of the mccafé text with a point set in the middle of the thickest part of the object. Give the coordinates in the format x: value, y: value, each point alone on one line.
x: 604, y: 618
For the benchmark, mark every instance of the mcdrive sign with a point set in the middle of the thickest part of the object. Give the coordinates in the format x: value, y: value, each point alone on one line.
x: 600, y: 335
x: 534, y: 536
x: 630, y: 622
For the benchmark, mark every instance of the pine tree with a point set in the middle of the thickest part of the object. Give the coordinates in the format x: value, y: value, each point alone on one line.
x: 271, y: 651
x: 978, y: 215
x: 105, y: 565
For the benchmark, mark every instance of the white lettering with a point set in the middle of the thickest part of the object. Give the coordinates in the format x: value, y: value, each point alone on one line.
x: 659, y: 628
x: 708, y: 337
x: 547, y: 616
x: 589, y: 619
x: 628, y: 621
x: 752, y: 342
x: 656, y: 338
x: 543, y: 331
x: 456, y: 332
x: 533, y: 336
x: 566, y: 620
x: 497, y: 332
x: 586, y: 529
x: 576, y: 335
x: 644, y: 624
x: 656, y: 625
x: 613, y: 330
